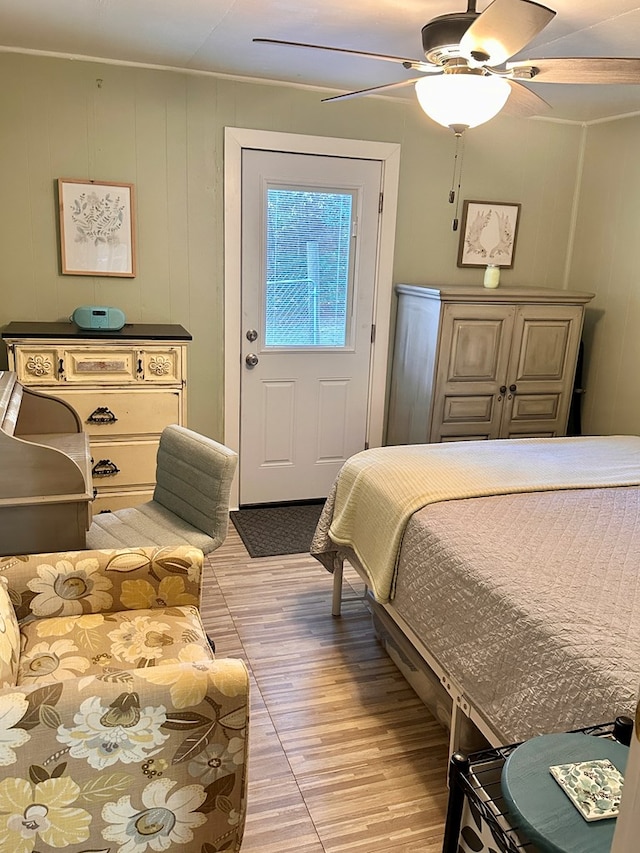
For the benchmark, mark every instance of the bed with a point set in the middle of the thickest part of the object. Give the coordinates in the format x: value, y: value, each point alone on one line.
x: 503, y: 576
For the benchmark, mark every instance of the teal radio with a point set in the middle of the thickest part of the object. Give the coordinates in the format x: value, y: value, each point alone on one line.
x: 98, y: 318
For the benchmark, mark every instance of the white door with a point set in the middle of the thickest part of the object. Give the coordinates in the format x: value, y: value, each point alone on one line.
x: 309, y: 259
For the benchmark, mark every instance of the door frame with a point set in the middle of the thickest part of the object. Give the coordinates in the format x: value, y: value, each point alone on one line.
x: 388, y: 153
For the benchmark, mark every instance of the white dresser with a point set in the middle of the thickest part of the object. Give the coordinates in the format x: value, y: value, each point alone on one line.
x: 126, y: 386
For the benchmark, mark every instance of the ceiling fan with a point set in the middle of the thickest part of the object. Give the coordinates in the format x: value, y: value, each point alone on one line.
x: 465, y: 76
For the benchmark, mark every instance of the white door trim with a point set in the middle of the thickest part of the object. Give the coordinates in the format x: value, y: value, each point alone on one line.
x: 235, y: 139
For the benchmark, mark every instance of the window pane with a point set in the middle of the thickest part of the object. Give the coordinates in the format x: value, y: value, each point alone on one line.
x: 307, y: 288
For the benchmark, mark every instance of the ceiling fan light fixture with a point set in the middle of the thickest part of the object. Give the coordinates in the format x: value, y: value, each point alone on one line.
x: 460, y: 101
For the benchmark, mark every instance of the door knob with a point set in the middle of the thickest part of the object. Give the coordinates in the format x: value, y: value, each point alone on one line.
x: 513, y: 388
x: 252, y: 359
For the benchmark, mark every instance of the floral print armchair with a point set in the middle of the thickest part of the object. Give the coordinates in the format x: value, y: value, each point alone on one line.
x: 119, y: 730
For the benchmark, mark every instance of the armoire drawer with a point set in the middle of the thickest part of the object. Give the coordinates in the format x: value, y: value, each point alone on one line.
x: 140, y: 411
x: 124, y: 463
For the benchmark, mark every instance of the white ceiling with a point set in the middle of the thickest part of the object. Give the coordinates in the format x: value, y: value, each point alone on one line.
x: 216, y: 36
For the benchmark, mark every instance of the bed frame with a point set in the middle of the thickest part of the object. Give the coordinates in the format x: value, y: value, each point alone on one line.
x: 468, y: 729
x: 382, y: 489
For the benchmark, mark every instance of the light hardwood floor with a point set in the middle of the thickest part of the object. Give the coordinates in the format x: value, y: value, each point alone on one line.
x: 343, y: 755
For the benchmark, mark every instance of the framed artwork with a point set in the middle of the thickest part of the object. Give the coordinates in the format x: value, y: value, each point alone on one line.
x: 488, y: 233
x: 97, y: 234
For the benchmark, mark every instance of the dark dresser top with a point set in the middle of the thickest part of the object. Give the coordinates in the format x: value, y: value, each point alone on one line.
x: 130, y: 331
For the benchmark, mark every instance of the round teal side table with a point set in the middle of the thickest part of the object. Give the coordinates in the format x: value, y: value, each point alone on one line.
x: 538, y: 805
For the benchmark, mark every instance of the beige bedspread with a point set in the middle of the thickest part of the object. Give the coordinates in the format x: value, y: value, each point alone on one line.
x: 531, y: 604
x: 378, y: 490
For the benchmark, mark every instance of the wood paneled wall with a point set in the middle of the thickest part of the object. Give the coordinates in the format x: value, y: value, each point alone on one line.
x: 163, y: 131
x: 606, y: 262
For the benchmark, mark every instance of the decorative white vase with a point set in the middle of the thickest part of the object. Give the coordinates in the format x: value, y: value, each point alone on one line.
x: 492, y: 276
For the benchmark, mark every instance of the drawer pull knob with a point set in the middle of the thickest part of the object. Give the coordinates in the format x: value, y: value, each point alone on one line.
x: 105, y: 468
x: 102, y: 415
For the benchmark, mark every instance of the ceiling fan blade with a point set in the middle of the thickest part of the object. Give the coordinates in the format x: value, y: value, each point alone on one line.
x: 360, y: 92
x: 522, y: 102
x: 504, y: 28
x: 385, y: 57
x: 579, y: 70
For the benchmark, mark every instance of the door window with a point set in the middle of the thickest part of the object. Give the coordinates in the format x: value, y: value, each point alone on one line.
x: 309, y: 267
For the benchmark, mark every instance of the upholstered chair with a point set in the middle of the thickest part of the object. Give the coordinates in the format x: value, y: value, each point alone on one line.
x: 190, y: 502
x: 119, y: 730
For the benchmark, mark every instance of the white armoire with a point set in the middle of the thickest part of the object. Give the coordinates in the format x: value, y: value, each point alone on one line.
x: 474, y: 363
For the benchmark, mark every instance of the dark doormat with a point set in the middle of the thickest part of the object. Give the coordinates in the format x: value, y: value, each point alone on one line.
x: 269, y: 531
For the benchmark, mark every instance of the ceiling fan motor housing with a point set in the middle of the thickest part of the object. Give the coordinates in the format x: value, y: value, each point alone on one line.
x: 441, y: 36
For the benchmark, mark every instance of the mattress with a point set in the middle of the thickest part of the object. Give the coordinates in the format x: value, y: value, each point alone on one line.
x: 531, y: 602
x: 378, y: 490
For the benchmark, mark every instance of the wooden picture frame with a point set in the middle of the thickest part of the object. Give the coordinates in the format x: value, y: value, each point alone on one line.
x: 97, y: 231
x: 488, y: 234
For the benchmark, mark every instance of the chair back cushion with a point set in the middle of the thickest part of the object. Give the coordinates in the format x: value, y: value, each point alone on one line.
x: 9, y: 638
x: 193, y: 479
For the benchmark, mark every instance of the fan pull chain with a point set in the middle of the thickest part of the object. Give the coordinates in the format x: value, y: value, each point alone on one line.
x: 454, y: 193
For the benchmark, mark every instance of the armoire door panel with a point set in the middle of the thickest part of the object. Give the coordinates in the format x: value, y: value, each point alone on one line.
x: 476, y: 346
x: 472, y: 365
x: 535, y: 407
x: 543, y: 353
x: 542, y: 368
x: 470, y: 409
x: 475, y: 343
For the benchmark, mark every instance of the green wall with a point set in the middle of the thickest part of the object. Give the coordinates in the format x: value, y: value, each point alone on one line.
x: 163, y: 131
x: 606, y: 262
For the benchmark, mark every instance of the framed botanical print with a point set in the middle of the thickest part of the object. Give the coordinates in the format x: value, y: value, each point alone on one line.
x: 97, y: 233
x: 488, y: 233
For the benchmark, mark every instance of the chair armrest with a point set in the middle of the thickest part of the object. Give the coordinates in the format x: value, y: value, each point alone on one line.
x: 79, y: 582
x: 98, y: 750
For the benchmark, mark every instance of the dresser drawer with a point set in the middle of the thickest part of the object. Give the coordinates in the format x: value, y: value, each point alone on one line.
x: 124, y: 463
x: 113, y: 365
x: 99, y: 365
x: 37, y: 365
x: 140, y: 411
x: 161, y: 365
x: 120, y: 365
x: 111, y: 501
x: 46, y: 365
